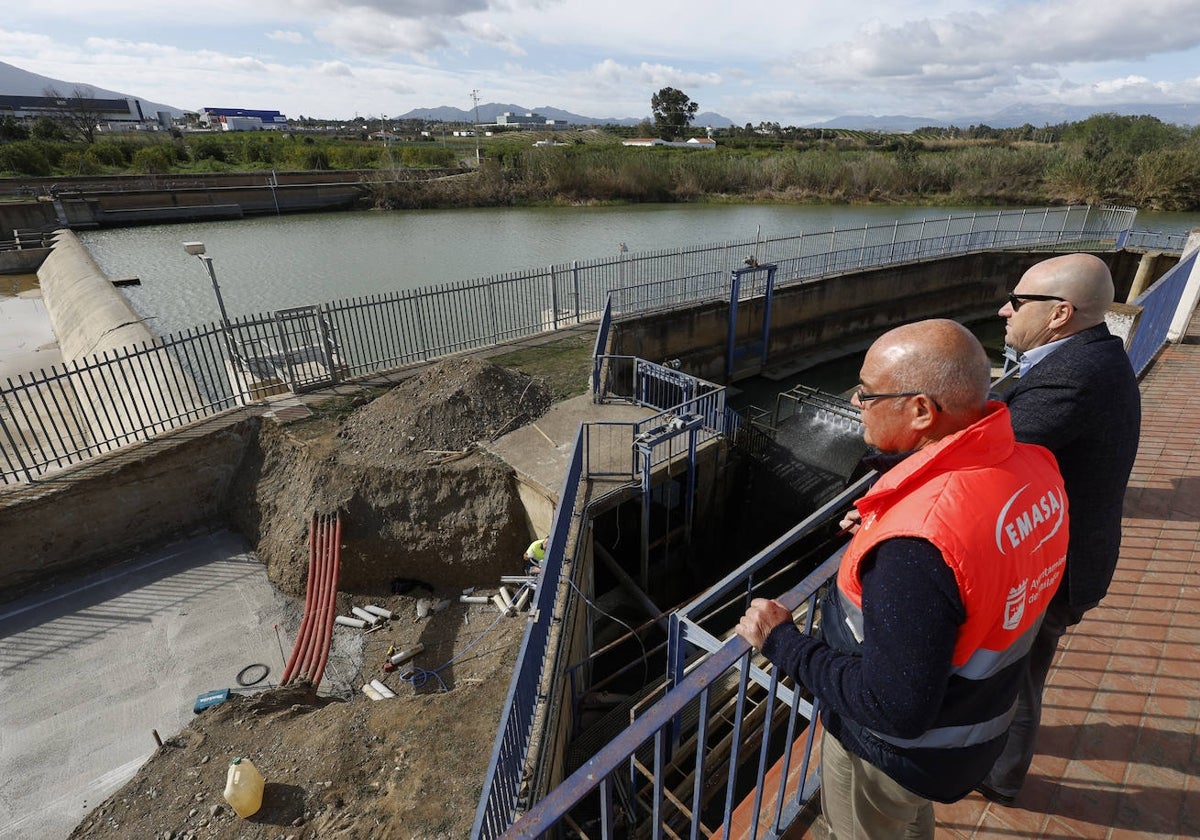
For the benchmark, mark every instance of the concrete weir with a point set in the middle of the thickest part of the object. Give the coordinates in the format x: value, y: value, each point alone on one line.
x: 88, y: 314
x: 91, y: 319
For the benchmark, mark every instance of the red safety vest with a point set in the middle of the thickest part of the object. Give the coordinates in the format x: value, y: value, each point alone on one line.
x: 995, y: 509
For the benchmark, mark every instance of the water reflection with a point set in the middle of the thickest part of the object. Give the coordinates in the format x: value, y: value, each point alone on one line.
x: 26, y: 339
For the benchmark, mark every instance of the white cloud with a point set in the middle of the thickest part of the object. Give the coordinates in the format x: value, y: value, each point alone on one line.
x: 761, y: 60
x: 287, y: 37
x: 337, y: 69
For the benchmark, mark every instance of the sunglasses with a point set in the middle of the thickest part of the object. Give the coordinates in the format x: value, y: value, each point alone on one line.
x: 1015, y: 300
x: 863, y: 397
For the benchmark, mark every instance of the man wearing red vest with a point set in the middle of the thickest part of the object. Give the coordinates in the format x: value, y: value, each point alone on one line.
x: 957, y: 550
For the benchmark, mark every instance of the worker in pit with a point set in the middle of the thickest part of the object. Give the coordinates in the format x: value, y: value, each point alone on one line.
x: 535, y: 555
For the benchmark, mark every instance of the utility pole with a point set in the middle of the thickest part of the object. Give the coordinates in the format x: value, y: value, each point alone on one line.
x: 475, y: 99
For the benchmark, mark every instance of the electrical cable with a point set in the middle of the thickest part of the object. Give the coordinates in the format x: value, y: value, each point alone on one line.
x: 632, y: 632
x: 244, y: 675
x: 416, y: 676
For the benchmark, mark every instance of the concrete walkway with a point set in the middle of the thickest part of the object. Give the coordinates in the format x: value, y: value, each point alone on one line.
x: 88, y: 670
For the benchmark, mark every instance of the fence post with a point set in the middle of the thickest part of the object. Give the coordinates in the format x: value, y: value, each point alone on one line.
x: 554, y: 297
x: 12, y: 443
x: 1191, y: 293
x: 575, y: 285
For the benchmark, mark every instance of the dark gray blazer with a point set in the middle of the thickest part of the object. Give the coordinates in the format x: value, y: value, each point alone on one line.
x: 1082, y: 403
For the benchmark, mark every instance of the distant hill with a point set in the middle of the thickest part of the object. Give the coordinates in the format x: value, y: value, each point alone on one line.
x: 17, y: 82
x: 489, y: 112
x: 1017, y: 115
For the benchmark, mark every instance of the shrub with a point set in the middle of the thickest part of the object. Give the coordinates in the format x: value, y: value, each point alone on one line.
x: 79, y: 163
x: 209, y: 148
x: 152, y: 160
x: 427, y: 156
x: 24, y: 157
x: 108, y: 153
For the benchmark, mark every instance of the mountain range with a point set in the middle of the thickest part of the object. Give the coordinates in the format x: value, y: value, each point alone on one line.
x: 489, y: 112
x: 17, y: 82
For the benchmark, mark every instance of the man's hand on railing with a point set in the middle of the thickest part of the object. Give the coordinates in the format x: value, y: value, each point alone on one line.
x: 763, y: 616
x: 850, y: 522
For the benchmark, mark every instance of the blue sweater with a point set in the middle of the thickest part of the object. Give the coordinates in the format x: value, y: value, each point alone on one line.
x: 911, y: 614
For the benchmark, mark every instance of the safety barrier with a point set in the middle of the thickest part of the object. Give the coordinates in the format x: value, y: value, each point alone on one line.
x: 1159, y: 304
x: 261, y: 355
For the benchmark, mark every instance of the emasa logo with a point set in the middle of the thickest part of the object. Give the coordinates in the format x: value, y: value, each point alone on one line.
x: 1041, y: 517
x: 1014, y: 606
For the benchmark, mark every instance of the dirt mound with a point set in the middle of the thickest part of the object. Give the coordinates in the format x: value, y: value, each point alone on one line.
x: 417, y: 502
x: 446, y: 408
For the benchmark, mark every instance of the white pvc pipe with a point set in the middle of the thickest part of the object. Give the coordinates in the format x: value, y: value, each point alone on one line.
x: 500, y: 605
x: 407, y: 653
x: 379, y: 611
x: 370, y: 691
x: 523, y: 598
x: 473, y: 599
x: 346, y: 621
x: 383, y: 690
x: 369, y: 618
x: 506, y: 597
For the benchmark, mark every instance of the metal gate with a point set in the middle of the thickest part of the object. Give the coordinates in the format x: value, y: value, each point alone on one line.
x: 761, y: 282
x: 307, y: 353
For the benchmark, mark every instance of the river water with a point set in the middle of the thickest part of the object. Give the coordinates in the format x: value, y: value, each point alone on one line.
x: 277, y: 262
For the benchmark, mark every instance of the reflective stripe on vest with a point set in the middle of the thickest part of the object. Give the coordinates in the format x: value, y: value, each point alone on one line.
x: 952, y: 737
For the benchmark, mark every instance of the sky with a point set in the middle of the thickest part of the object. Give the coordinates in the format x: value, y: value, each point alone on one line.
x: 792, y: 62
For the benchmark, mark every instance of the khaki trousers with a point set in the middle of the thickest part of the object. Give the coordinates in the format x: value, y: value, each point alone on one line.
x: 861, y: 802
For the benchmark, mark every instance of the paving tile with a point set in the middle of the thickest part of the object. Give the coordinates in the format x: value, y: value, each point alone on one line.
x: 1119, y: 747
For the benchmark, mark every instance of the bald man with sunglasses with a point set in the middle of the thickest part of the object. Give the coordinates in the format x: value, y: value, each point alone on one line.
x: 1077, y: 395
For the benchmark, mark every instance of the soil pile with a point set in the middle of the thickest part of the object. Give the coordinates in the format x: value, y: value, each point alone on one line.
x: 417, y: 500
x: 425, y: 514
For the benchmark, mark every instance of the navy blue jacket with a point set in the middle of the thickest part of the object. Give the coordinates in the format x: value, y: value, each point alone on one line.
x: 1082, y: 403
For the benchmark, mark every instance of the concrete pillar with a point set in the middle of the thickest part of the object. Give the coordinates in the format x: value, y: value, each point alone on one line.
x: 1191, y: 292
x: 1144, y: 276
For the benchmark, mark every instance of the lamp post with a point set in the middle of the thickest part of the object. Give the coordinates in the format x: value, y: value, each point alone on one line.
x: 196, y: 249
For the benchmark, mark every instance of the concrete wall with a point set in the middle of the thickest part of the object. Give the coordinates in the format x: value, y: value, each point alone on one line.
x: 88, y: 314
x: 26, y: 215
x: 814, y: 322
x: 130, y: 207
x: 139, y: 496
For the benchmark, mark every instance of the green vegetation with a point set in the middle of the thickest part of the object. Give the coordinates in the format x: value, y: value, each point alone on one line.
x: 1137, y: 161
x: 565, y: 364
x: 673, y: 111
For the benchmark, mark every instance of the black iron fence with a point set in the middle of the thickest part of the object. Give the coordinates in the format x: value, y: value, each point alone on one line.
x: 74, y: 411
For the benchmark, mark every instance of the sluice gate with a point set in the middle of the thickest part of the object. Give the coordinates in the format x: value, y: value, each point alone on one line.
x: 665, y: 550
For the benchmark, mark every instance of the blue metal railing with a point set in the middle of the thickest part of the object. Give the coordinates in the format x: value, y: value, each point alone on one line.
x: 502, y: 790
x: 635, y: 763
x: 1159, y: 304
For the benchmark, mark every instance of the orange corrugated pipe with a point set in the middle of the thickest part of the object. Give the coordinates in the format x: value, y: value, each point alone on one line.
x: 335, y: 562
x: 312, y: 646
x: 309, y: 601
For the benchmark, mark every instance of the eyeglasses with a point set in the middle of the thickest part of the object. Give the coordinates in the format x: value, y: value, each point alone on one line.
x: 863, y: 397
x: 1015, y: 300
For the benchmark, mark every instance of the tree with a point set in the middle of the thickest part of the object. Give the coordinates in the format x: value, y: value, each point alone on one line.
x: 673, y: 110
x: 12, y: 129
x: 80, y: 112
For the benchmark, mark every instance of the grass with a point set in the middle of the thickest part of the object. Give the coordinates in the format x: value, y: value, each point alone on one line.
x: 565, y: 364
